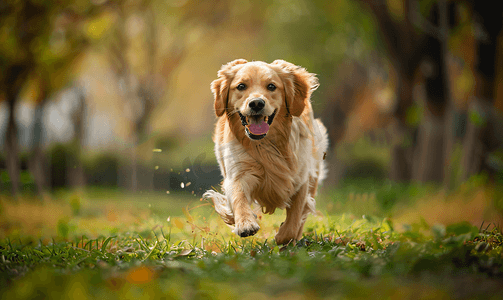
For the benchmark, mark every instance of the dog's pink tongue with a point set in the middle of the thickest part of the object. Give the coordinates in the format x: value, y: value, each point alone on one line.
x: 259, y: 129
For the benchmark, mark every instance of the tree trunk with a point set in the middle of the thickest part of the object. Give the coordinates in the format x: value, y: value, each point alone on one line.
x: 449, y: 142
x: 480, y: 136
x: 403, y: 141
x: 134, y: 164
x: 16, y: 77
x: 12, y: 147
x: 401, y: 153
x: 445, y: 14
x: 428, y: 162
x: 475, y: 144
x: 76, y: 172
x: 37, y: 158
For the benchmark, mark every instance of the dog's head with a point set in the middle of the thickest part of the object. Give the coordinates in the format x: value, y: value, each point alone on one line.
x: 257, y: 91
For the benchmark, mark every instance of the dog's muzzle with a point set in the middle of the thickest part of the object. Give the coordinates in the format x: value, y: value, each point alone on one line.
x: 259, y: 128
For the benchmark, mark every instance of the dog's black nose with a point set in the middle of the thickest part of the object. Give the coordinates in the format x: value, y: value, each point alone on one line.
x: 256, y: 104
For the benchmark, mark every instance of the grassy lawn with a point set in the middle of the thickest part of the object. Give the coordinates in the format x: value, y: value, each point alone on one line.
x: 367, y: 240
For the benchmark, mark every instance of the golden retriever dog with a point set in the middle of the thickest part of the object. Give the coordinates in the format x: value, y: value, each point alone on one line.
x: 269, y: 146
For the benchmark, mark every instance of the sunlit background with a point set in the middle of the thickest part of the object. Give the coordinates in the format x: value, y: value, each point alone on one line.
x: 109, y: 101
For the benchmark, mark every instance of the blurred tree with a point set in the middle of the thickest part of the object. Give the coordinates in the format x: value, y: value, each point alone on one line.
x: 417, y: 32
x: 350, y: 78
x: 40, y: 45
x: 409, y: 38
x: 434, y: 139
x: 321, y: 36
x: 20, y: 28
x: 36, y: 162
x: 76, y: 170
x: 143, y: 70
x: 135, y: 39
x: 416, y: 37
x: 484, y: 131
x: 335, y: 39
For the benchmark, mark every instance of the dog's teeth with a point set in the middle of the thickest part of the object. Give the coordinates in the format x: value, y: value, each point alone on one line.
x: 266, y: 118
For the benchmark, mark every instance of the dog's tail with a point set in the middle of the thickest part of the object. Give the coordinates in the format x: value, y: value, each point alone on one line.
x: 222, y: 206
x: 321, y: 142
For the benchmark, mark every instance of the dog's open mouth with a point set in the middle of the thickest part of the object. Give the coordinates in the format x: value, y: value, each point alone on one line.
x: 257, y: 126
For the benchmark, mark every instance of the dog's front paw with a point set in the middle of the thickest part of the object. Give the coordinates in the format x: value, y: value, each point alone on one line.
x: 246, y: 227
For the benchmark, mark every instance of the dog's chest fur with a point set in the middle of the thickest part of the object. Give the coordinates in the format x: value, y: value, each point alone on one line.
x: 270, y: 171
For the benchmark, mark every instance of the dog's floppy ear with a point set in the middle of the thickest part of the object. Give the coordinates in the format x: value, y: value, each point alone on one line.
x: 299, y: 84
x: 220, y: 86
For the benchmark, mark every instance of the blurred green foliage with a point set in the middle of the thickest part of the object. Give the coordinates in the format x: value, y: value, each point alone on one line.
x: 102, y: 169
x: 373, y: 196
x: 326, y: 34
x: 477, y: 118
x: 414, y: 115
x: 44, y: 39
x: 364, y: 159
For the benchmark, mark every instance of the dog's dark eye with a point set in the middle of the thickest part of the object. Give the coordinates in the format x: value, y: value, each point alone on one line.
x: 271, y: 87
x: 241, y: 87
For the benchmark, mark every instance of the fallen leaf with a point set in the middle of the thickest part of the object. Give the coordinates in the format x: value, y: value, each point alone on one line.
x: 185, y: 252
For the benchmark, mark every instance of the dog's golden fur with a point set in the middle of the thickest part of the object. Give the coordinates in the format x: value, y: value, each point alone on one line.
x: 279, y: 170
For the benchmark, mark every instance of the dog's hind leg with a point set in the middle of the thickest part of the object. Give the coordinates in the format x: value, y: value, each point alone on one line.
x: 296, y: 215
x: 222, y: 206
x: 308, y: 208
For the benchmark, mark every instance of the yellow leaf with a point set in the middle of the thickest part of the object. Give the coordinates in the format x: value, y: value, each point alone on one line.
x: 178, y: 223
x: 187, y: 214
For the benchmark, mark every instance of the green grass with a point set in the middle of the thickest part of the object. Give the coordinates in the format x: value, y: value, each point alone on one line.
x: 114, y: 245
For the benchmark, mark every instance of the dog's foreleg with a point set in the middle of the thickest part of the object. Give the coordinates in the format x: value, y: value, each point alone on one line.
x: 245, y: 220
x: 296, y: 214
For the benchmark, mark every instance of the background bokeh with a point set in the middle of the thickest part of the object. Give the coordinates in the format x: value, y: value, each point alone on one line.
x: 113, y: 96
